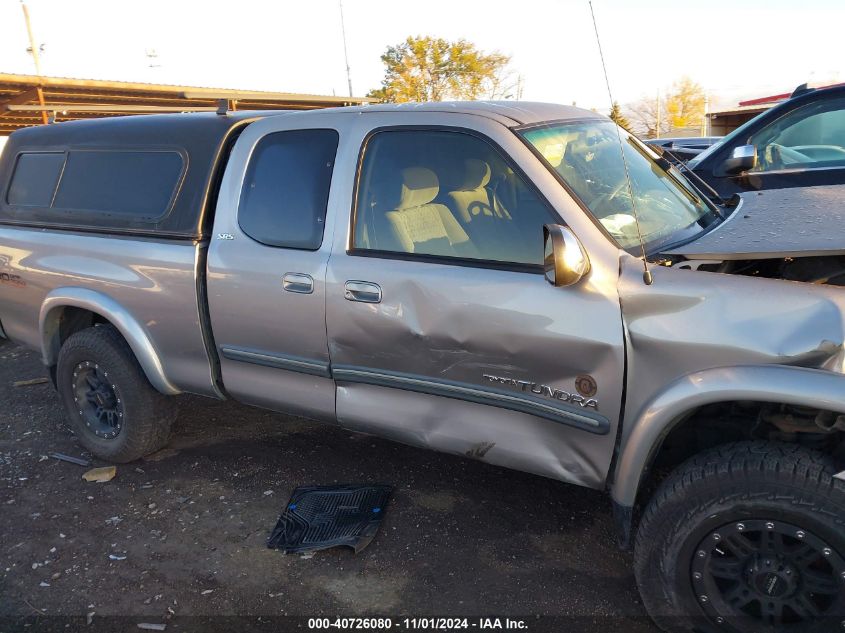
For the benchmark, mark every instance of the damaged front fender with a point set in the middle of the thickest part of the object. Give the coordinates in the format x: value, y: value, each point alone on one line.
x: 728, y: 338
x: 773, y: 383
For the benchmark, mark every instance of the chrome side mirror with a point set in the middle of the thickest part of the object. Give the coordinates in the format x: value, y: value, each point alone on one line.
x: 743, y: 158
x: 565, y: 261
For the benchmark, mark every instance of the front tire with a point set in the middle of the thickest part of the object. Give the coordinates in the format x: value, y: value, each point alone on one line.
x: 113, y: 409
x: 746, y: 537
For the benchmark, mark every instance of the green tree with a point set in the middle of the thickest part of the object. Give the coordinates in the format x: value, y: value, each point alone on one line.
x: 617, y: 117
x: 434, y: 69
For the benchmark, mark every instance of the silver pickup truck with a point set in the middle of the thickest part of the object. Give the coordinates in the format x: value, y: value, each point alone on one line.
x: 466, y: 277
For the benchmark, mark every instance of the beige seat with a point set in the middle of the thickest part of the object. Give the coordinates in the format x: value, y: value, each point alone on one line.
x: 472, y: 202
x: 482, y: 213
x: 418, y: 225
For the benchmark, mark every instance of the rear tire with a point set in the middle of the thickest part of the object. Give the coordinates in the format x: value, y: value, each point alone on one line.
x: 113, y: 409
x: 746, y: 537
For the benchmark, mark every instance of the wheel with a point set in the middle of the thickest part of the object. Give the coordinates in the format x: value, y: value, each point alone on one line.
x: 113, y: 409
x: 746, y: 537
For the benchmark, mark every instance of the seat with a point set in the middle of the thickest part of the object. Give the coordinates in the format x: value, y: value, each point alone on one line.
x: 418, y: 225
x: 483, y: 214
x: 472, y: 201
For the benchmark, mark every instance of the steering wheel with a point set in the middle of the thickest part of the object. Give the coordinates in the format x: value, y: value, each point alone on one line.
x: 781, y: 156
x: 605, y: 200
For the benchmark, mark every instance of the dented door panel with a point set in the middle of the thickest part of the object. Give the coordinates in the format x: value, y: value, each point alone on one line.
x: 478, y: 361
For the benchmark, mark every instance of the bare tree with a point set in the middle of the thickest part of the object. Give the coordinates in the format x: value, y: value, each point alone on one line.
x: 681, y: 108
x: 644, y: 117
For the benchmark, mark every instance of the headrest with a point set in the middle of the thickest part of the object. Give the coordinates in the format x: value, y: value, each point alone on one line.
x: 476, y: 174
x: 419, y: 187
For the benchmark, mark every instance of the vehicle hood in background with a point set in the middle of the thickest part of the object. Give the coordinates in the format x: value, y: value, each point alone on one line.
x: 795, y: 222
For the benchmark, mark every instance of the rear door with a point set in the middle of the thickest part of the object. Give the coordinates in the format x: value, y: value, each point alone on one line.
x: 442, y: 329
x: 267, y: 265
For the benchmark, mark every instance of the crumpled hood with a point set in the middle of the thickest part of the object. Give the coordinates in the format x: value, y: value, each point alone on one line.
x: 797, y: 222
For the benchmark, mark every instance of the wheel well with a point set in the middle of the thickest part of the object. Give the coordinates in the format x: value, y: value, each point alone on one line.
x: 63, y: 323
x: 725, y: 422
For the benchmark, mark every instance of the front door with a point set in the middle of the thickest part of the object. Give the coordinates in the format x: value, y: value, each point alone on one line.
x: 442, y: 329
x: 267, y: 266
x: 803, y: 148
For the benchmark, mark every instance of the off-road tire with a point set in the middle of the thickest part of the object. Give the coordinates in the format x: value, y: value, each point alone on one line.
x: 146, y: 414
x: 781, y: 490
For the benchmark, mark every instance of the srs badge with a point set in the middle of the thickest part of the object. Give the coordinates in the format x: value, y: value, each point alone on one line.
x: 545, y: 390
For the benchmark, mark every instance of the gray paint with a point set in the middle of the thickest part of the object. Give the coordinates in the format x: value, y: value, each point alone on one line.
x: 446, y: 322
x: 548, y: 408
x: 279, y: 361
x: 773, y: 383
x: 692, y: 338
x: 54, y: 305
x: 800, y: 221
x: 697, y: 328
x: 145, y: 287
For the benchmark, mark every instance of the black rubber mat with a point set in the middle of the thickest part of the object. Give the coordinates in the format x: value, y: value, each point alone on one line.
x: 320, y: 517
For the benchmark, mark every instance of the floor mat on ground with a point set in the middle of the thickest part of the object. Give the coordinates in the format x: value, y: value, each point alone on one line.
x: 320, y: 517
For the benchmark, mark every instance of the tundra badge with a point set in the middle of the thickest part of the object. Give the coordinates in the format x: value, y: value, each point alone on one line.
x: 545, y: 390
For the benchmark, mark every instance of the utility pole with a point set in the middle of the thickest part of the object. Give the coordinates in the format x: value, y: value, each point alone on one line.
x: 657, y: 124
x: 704, y: 116
x: 345, y: 54
x: 37, y: 61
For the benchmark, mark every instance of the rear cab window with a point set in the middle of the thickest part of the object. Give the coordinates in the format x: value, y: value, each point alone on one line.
x: 286, y: 188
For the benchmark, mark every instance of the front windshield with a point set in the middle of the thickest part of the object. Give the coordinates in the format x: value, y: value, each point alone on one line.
x: 586, y: 156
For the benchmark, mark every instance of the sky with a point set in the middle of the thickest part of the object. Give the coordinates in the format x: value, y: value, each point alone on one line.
x: 733, y: 49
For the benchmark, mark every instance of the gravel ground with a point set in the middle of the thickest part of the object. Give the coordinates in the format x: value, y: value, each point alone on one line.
x: 180, y: 538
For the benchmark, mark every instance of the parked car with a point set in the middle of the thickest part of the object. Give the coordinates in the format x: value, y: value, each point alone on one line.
x: 798, y: 143
x: 463, y: 277
x: 683, y: 148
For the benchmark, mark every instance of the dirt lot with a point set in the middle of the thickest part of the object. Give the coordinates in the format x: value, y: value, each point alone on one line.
x: 460, y: 538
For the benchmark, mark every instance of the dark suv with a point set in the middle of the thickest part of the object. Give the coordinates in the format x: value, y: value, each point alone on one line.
x: 798, y: 143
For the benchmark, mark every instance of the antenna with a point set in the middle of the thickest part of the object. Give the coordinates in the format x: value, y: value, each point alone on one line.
x: 345, y: 54
x: 647, y: 277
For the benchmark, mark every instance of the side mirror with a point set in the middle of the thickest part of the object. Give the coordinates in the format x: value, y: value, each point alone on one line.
x: 565, y: 261
x: 742, y: 159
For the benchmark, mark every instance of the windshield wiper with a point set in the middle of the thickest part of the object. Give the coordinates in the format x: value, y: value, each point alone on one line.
x: 711, y: 193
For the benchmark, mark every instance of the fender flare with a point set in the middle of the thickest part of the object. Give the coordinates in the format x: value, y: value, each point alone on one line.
x: 763, y: 383
x: 99, y: 303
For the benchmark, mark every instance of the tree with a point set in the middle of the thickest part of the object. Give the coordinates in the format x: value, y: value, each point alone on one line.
x: 682, y: 107
x: 434, y: 69
x: 685, y: 104
x: 645, y: 114
x: 618, y: 118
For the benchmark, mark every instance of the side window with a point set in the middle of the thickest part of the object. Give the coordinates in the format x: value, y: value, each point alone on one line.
x: 286, y: 189
x: 35, y: 178
x: 139, y: 184
x: 446, y: 193
x: 811, y: 137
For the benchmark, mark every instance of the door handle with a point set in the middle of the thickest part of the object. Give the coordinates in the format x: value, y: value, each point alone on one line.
x: 363, y: 291
x: 298, y: 282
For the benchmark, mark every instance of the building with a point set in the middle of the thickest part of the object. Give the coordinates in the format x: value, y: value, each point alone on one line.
x: 721, y: 122
x: 27, y: 100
